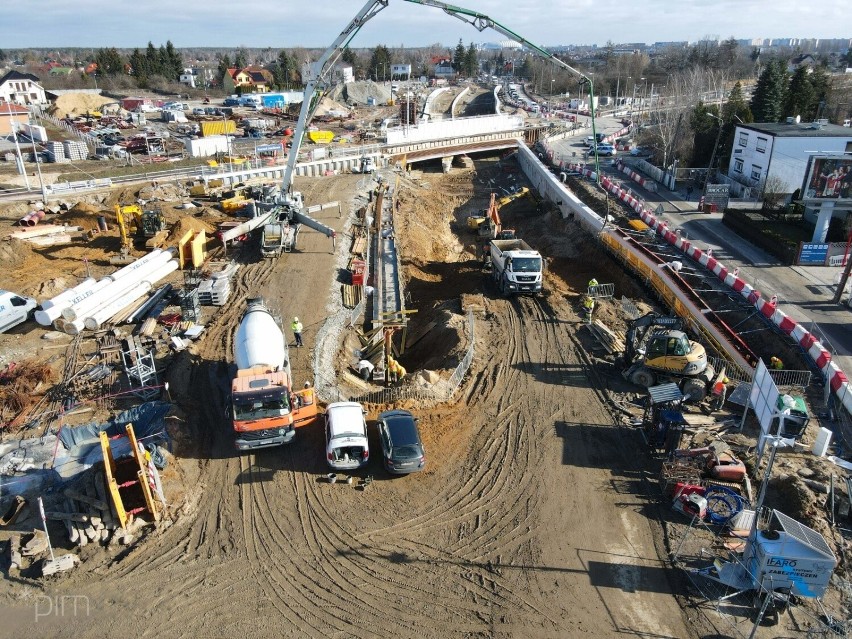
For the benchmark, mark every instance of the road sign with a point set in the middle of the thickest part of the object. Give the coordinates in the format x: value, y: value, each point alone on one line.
x: 810, y: 253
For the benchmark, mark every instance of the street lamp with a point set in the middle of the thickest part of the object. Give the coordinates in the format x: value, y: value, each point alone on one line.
x: 14, y: 127
x: 715, y: 146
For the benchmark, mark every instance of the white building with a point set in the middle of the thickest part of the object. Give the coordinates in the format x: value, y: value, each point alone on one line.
x: 196, y: 77
x: 780, y: 151
x: 21, y: 88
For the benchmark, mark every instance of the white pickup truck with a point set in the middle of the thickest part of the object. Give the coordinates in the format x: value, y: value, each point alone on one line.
x: 14, y: 309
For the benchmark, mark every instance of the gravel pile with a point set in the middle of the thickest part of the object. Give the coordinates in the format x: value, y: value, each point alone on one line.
x: 358, y: 93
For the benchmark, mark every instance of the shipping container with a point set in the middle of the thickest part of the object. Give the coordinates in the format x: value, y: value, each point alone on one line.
x: 218, y: 127
x: 33, y: 131
x: 205, y: 147
x: 320, y: 137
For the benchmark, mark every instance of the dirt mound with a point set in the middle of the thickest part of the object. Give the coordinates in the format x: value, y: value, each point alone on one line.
x: 327, y: 105
x: 77, y: 104
x: 13, y: 253
x: 187, y: 223
x: 358, y: 93
x: 85, y: 215
x: 52, y: 287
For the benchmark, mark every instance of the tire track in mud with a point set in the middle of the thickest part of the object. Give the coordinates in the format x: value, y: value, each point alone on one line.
x: 491, y: 513
x: 211, y: 535
x: 454, y: 551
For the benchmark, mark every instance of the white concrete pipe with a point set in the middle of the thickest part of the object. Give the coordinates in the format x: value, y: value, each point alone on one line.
x: 115, y: 288
x: 93, y: 322
x: 68, y: 293
x: 133, y: 266
x: 52, y: 308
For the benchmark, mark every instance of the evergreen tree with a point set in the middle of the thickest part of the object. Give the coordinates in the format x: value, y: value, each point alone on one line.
x: 471, y: 61
x: 821, y: 85
x: 152, y: 60
x: 726, y: 54
x: 734, y: 112
x: 2, y: 56
x: 174, y: 62
x: 139, y: 66
x: 109, y: 61
x: 705, y: 123
x: 350, y: 58
x: 458, y: 57
x: 241, y: 58
x: 380, y: 62
x: 224, y: 65
x: 770, y: 94
x: 282, y: 69
x: 800, y: 96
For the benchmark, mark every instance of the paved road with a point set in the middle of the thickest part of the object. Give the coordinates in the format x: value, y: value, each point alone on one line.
x: 804, y: 292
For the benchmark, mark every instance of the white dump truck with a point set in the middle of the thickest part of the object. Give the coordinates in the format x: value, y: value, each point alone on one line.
x: 516, y: 267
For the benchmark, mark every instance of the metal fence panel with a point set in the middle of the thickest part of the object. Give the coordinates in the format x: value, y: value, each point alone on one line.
x: 601, y: 291
x: 630, y: 309
x: 732, y: 371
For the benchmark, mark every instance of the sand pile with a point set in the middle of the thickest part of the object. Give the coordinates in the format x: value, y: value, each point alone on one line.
x: 85, y: 215
x: 358, y: 92
x: 77, y: 104
x: 327, y: 105
x: 185, y: 224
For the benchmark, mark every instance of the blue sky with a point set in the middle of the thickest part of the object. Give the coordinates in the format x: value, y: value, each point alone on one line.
x: 286, y: 24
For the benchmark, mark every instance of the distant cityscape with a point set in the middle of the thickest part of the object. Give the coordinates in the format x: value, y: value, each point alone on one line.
x: 805, y: 45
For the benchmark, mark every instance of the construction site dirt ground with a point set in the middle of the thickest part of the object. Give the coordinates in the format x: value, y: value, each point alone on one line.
x: 537, y: 514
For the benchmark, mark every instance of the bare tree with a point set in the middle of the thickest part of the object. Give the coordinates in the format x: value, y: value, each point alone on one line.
x: 774, y: 193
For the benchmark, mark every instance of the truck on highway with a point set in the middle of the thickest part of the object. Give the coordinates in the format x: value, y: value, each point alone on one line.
x: 264, y: 408
x: 515, y: 266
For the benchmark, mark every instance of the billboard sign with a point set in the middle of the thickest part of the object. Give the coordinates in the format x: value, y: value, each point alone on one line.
x: 828, y: 178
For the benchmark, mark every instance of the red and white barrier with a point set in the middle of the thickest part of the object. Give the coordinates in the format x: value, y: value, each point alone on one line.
x: 633, y: 175
x: 837, y: 379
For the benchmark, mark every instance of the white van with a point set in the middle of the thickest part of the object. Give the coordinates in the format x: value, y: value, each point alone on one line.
x: 14, y: 309
x: 346, y: 445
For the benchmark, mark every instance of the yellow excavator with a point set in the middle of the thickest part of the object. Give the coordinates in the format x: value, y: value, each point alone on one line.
x: 657, y: 350
x: 489, y: 226
x: 133, y: 221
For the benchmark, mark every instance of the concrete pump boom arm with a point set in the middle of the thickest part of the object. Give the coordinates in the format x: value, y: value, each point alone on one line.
x: 316, y: 82
x: 480, y: 22
x: 319, y: 70
x: 318, y: 77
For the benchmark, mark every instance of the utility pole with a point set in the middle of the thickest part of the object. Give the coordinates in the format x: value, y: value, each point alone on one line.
x: 713, y: 155
x: 844, y: 278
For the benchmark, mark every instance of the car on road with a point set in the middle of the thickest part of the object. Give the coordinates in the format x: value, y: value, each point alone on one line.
x: 198, y: 111
x: 346, y: 445
x: 640, y: 152
x: 402, y: 448
x: 607, y: 150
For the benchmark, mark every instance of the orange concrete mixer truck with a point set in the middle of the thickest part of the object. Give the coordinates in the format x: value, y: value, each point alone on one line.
x: 264, y: 407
